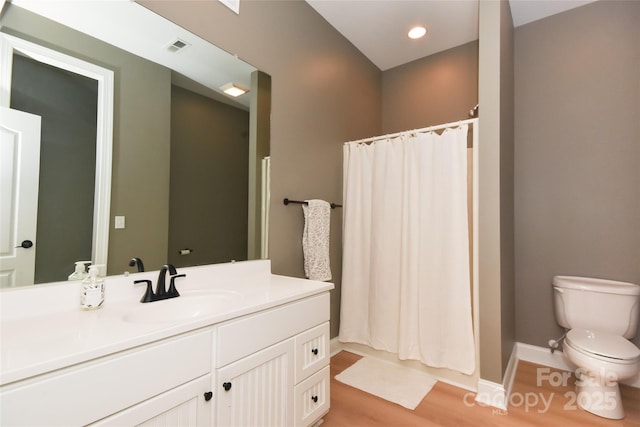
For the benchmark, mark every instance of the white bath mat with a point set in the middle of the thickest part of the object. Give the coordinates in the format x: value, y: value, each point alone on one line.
x: 398, y: 384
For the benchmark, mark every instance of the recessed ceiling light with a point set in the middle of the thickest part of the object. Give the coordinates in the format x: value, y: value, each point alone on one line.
x: 233, y: 89
x: 417, y: 32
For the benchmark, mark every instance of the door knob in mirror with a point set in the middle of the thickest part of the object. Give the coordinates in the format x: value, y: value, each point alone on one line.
x: 25, y: 244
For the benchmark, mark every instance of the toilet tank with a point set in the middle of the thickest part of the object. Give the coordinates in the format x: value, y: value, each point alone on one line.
x: 597, y: 304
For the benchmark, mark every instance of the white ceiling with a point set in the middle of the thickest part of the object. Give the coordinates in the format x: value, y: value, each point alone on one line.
x: 378, y: 28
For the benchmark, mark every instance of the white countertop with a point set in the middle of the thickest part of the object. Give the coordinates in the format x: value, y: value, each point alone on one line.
x: 43, y: 327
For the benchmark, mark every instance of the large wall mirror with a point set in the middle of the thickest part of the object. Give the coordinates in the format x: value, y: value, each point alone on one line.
x: 189, y: 165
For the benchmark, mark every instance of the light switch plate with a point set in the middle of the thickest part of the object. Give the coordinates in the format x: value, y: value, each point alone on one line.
x: 119, y: 222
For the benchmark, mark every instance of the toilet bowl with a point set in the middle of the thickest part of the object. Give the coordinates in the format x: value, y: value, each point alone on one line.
x: 602, y: 360
x: 600, y: 316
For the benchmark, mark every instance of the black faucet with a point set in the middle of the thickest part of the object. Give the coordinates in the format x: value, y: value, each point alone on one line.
x: 161, y: 291
x: 138, y: 262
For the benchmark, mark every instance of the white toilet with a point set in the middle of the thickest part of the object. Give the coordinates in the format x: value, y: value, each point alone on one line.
x: 600, y: 316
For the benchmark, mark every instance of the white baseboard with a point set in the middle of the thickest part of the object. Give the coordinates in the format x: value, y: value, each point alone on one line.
x: 510, y: 372
x: 335, y: 346
x: 492, y: 394
x: 495, y: 394
x: 543, y: 356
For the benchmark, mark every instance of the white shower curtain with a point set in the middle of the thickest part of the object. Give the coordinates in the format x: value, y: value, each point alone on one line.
x: 406, y: 284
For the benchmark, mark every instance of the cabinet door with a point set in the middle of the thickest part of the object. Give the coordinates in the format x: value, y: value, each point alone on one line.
x: 257, y: 390
x: 187, y: 405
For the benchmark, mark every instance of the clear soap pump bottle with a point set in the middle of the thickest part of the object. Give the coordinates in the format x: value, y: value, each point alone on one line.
x: 92, y: 290
x: 80, y: 271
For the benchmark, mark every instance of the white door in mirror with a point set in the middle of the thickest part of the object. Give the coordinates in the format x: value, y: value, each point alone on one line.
x: 20, y: 165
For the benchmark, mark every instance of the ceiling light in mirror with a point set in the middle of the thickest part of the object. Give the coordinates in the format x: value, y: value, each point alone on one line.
x: 233, y: 89
x: 417, y: 32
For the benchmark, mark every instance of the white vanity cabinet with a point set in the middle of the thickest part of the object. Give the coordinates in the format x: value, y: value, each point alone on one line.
x: 259, y: 359
x: 272, y: 367
x: 158, y: 379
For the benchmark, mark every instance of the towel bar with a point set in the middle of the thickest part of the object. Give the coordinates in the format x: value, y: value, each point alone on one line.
x: 286, y: 201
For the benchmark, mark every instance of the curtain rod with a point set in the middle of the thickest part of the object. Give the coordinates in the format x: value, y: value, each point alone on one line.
x: 426, y: 129
x: 286, y: 201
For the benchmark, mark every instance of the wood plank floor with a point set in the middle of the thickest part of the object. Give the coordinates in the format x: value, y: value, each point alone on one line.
x: 446, y: 405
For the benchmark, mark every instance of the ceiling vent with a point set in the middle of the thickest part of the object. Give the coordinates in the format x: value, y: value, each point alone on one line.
x: 178, y: 45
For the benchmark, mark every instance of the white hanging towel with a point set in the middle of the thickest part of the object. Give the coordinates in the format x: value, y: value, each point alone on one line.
x: 315, y: 239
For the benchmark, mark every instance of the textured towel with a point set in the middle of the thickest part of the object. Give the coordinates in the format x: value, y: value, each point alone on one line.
x: 315, y: 239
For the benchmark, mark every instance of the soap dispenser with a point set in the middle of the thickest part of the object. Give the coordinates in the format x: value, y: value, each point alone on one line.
x: 92, y: 290
x: 80, y: 271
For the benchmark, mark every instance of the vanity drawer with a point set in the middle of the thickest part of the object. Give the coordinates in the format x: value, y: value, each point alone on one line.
x: 312, y: 398
x: 312, y: 351
x: 90, y: 391
x: 245, y: 336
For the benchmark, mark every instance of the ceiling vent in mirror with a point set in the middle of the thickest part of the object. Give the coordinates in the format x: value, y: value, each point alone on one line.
x: 178, y: 45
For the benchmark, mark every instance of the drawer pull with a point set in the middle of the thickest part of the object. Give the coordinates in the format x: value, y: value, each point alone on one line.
x: 314, y: 351
x: 208, y: 395
x: 315, y: 399
x: 226, y: 386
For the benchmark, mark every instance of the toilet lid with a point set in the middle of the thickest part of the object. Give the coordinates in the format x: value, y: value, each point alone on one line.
x: 602, y: 344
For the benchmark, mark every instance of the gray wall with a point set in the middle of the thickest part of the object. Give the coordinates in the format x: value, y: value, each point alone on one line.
x: 324, y: 92
x: 439, y: 88
x: 495, y: 215
x: 577, y: 155
x: 507, y: 190
x: 209, y: 187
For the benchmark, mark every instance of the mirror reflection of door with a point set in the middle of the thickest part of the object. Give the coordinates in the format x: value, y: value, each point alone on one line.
x: 74, y: 99
x: 67, y: 103
x: 19, y: 165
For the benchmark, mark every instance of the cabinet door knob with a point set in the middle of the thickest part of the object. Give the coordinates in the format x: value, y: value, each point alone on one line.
x: 208, y: 395
x: 226, y: 386
x: 315, y: 399
x: 314, y: 351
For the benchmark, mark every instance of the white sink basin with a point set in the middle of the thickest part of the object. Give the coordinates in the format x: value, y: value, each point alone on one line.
x: 190, y: 304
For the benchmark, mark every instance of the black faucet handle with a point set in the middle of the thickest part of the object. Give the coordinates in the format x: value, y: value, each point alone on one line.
x: 148, y: 296
x: 161, y: 290
x: 171, y: 269
x: 173, y: 292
